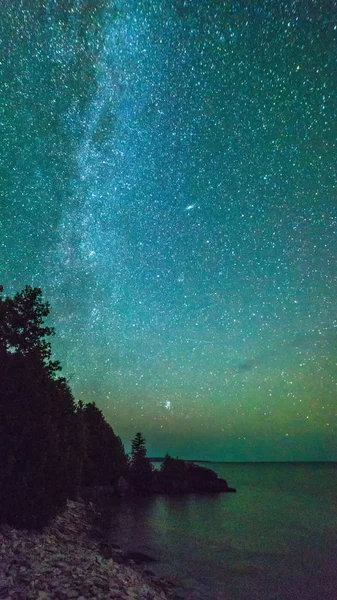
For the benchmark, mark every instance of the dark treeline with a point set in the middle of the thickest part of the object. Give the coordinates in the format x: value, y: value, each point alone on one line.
x: 51, y: 446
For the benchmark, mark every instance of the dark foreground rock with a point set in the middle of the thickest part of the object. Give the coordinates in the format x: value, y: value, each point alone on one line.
x: 178, y: 476
x: 175, y: 476
x: 64, y: 562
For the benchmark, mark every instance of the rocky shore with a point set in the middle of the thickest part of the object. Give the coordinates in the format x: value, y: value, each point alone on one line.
x: 66, y: 561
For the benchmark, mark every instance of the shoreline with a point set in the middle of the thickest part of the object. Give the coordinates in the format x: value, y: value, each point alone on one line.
x: 70, y: 559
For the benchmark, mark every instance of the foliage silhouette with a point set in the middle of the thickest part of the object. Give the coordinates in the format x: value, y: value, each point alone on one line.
x: 141, y: 470
x: 172, y: 474
x: 22, y: 326
x: 105, y: 460
x: 178, y: 476
x: 39, y: 429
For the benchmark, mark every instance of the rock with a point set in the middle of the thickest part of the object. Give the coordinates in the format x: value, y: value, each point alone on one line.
x: 140, y: 557
x: 180, y: 477
x: 5, y: 581
x: 63, y: 563
x: 72, y: 594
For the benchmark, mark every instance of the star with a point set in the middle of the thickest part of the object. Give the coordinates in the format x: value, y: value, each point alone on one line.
x: 168, y: 180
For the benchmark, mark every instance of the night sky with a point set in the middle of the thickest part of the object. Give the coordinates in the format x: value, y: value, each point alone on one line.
x: 168, y: 178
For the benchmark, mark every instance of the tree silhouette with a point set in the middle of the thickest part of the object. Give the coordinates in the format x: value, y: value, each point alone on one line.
x: 39, y: 432
x: 105, y: 459
x: 141, y: 471
x: 138, y: 449
x: 172, y: 474
x: 22, y: 326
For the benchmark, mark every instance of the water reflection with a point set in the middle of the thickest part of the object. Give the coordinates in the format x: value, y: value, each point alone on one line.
x: 260, y: 543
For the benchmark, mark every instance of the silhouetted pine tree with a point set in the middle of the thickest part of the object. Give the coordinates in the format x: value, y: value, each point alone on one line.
x: 70, y: 428
x: 141, y: 470
x: 105, y: 459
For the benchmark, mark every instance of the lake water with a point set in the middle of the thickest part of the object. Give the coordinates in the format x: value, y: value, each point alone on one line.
x: 275, y: 539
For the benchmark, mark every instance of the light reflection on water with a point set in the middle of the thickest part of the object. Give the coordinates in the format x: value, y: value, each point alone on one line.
x: 275, y: 539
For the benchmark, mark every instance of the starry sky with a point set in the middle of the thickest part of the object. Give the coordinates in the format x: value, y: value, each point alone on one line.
x: 168, y: 178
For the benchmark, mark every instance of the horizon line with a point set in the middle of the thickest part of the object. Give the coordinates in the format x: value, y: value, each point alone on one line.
x: 158, y: 458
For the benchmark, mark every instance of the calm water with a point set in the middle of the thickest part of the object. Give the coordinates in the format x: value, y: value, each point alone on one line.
x: 275, y: 539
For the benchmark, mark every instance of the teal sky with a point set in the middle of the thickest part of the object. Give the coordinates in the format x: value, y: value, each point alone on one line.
x: 168, y: 178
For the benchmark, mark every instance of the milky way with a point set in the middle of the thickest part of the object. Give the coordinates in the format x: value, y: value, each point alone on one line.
x: 168, y: 178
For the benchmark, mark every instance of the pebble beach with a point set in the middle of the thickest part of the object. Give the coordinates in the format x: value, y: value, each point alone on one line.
x: 65, y: 562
